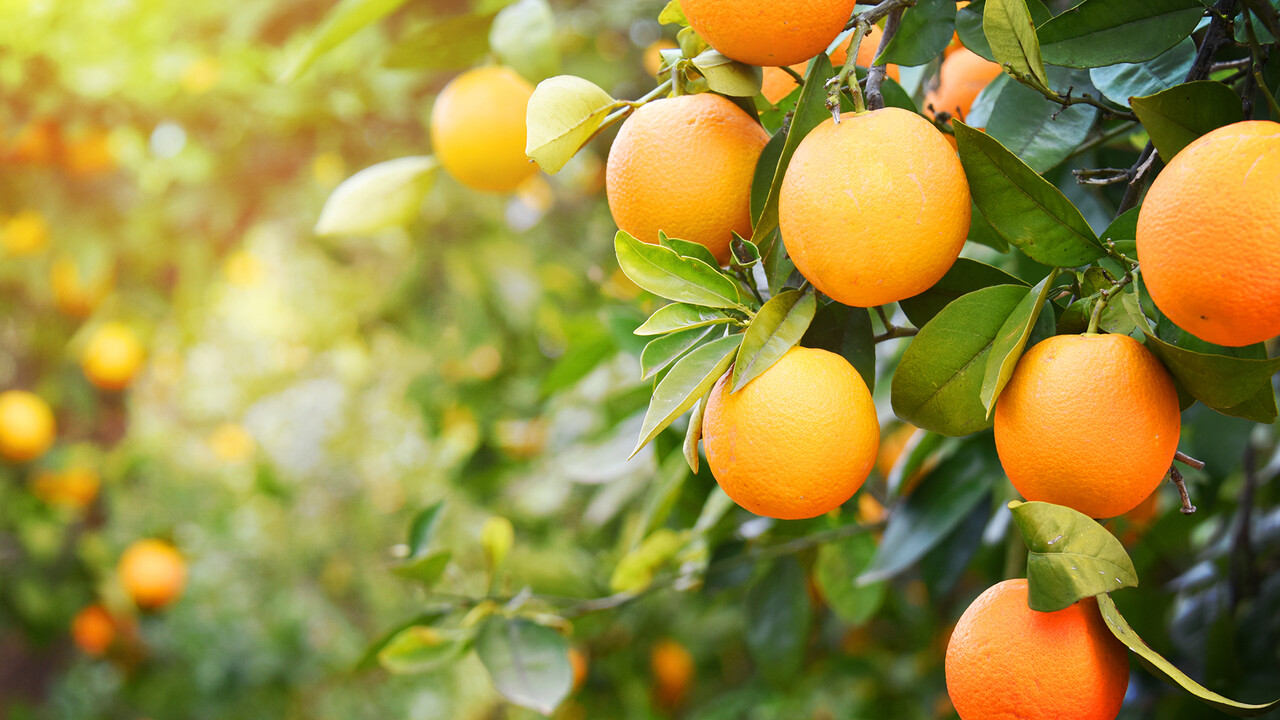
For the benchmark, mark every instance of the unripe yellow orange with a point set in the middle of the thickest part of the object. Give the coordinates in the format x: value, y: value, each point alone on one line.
x: 112, y: 356
x: 153, y: 573
x: 27, y: 426
x: 478, y: 129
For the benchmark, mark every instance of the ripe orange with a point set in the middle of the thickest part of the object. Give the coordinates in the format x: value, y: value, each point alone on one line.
x: 153, y: 573
x: 1208, y: 239
x: 27, y: 427
x: 684, y: 165
x: 795, y: 442
x: 1088, y: 421
x: 89, y: 153
x: 778, y: 83
x: 876, y: 208
x: 673, y: 668
x: 1006, y: 660
x: 112, y: 357
x: 93, y: 630
x: 764, y: 32
x: 963, y: 75
x: 478, y: 129
x: 79, y: 287
x: 75, y: 487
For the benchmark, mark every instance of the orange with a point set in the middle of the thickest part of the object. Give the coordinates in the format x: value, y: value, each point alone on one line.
x: 673, y: 670
x: 25, y: 234
x: 112, y: 357
x: 684, y: 166
x: 578, y: 663
x: 766, y: 32
x: 478, y: 129
x: 1088, y: 421
x: 1006, y: 660
x: 78, y: 287
x: 1208, y: 239
x: 74, y: 487
x: 876, y: 208
x: 89, y: 153
x: 39, y: 143
x: 795, y: 442
x: 778, y: 83
x: 93, y: 630
x: 866, y: 52
x: 27, y: 427
x: 153, y: 573
x: 963, y: 75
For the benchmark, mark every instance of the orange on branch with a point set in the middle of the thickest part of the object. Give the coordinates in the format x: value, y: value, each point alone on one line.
x: 478, y: 129
x: 962, y: 77
x: 93, y: 630
x: 766, y: 33
x: 153, y: 573
x: 673, y: 669
x: 112, y: 357
x: 27, y: 426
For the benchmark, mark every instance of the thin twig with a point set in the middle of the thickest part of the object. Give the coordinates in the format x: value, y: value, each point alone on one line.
x: 1138, y: 178
x: 1101, y: 176
x: 1189, y: 461
x: 872, y: 16
x: 876, y: 73
x: 1104, y: 138
x: 1267, y: 15
x: 1176, y: 477
x: 895, y: 332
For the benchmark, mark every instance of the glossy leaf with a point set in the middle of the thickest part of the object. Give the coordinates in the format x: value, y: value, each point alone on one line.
x: 693, y: 434
x: 378, y: 197
x: 661, y: 352
x: 964, y: 277
x: 1011, y: 34
x: 1070, y: 556
x: 1041, y: 133
x: 777, y: 615
x: 1023, y: 207
x: 1124, y: 80
x: 679, y: 316
x: 423, y: 648
x: 941, y: 502
x: 1162, y: 668
x: 1219, y: 381
x: 1104, y: 32
x: 1176, y: 116
x: 923, y: 33
x: 523, y: 37
x: 969, y: 25
x: 344, y: 20
x: 451, y: 43
x: 685, y: 248
x: 728, y: 77
x: 528, y: 663
x: 836, y: 571
x: 848, y: 332
x: 688, y: 380
x: 1012, y: 340
x: 1122, y: 229
x: 665, y: 273
x: 776, y: 328
x: 762, y: 180
x: 938, y: 383
x: 563, y: 114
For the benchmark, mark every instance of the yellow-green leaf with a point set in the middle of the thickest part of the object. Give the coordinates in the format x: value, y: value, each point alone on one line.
x: 564, y: 113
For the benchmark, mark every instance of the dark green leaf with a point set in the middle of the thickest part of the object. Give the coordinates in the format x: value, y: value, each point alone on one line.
x: 1023, y: 207
x: 943, y: 566
x: 1162, y: 668
x: 777, y: 617
x: 776, y: 328
x: 344, y: 20
x: 742, y: 253
x: 762, y: 181
x: 969, y: 25
x: 1122, y: 229
x: 661, y: 352
x: 836, y: 571
x: 529, y: 663
x: 1012, y: 340
x: 1104, y: 32
x: 1011, y: 34
x: 964, y: 277
x: 1070, y: 556
x: 938, y: 382
x: 1041, y: 133
x: 687, y: 381
x: 1218, y: 380
x: 923, y: 34
x: 941, y: 502
x: 423, y: 528
x: 665, y: 273
x: 423, y: 648
x: 452, y: 43
x: 679, y: 316
x: 1176, y: 116
x: 1121, y: 81
x: 846, y: 331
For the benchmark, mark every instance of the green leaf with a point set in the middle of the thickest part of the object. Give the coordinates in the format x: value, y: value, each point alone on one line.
x: 942, y: 501
x: 1023, y: 207
x: 423, y: 528
x: 1218, y: 380
x: 344, y: 20
x: 969, y: 25
x: 1012, y: 37
x: 837, y: 569
x: 1176, y: 116
x: 369, y: 659
x: 563, y: 115
x: 964, y: 277
x: 425, y: 568
x: 846, y: 331
x: 811, y: 109
x: 1124, y: 80
x: 673, y: 14
x: 687, y: 249
x: 923, y: 34
x: 1041, y: 133
x: 378, y: 197
x: 777, y: 615
x: 523, y: 36
x: 1012, y: 340
x: 663, y: 272
x: 776, y: 328
x: 1123, y: 229
x: 762, y: 180
x: 1164, y: 669
x: 1104, y: 32
x: 453, y: 43
x: 688, y: 380
x: 743, y: 254
x: 661, y: 352
x: 728, y: 77
x: 693, y: 433
x: 529, y: 663
x: 423, y: 648
x: 679, y: 316
x: 938, y: 383
x: 1069, y: 556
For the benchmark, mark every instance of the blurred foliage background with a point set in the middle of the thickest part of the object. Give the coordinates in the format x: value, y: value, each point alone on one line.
x: 304, y: 398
